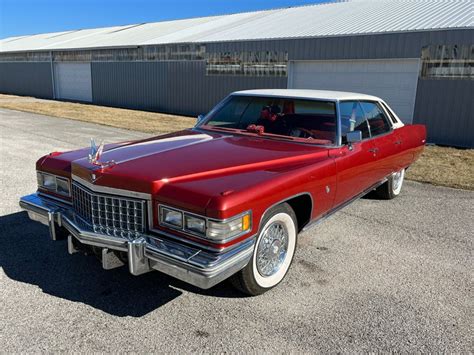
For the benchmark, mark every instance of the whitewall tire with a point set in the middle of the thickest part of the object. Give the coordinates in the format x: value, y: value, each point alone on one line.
x: 273, y: 253
x: 397, y: 182
x: 392, y: 187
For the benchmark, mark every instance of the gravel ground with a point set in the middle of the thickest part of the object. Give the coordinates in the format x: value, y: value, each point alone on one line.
x: 377, y: 276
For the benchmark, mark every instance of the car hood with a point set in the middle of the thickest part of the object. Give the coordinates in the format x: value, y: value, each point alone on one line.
x: 190, y: 155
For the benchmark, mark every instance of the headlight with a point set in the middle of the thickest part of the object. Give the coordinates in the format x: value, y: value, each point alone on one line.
x: 205, y: 227
x: 49, y: 182
x: 171, y: 217
x: 62, y: 186
x: 54, y: 183
x: 195, y: 224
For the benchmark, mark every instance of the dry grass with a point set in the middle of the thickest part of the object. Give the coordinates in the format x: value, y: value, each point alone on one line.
x: 148, y: 122
x: 445, y: 167
x: 438, y: 165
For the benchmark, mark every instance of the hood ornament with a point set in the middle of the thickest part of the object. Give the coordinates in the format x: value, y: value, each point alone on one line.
x: 95, y: 154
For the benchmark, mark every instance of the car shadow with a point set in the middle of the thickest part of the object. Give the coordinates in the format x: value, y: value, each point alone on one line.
x: 372, y: 195
x: 28, y: 255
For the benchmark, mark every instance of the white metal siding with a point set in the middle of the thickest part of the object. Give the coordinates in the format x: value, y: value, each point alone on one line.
x: 393, y: 80
x: 72, y: 81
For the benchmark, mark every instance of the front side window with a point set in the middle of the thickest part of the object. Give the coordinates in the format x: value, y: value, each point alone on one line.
x: 378, y: 122
x: 312, y: 121
x: 353, y: 119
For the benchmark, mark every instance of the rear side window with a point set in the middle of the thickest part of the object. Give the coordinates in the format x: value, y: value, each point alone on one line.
x: 353, y: 119
x: 378, y: 121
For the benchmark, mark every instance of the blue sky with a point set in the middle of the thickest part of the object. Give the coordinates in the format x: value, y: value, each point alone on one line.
x: 22, y: 17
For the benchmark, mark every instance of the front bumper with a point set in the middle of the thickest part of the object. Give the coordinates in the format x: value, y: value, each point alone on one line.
x: 146, y: 252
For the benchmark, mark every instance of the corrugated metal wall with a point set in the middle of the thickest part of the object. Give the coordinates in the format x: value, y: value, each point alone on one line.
x: 31, y: 79
x: 174, y: 87
x: 446, y: 107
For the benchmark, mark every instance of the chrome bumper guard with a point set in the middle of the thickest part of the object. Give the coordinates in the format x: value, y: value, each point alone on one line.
x: 146, y: 252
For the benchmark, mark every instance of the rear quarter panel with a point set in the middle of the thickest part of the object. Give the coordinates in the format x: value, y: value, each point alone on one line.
x: 413, y: 140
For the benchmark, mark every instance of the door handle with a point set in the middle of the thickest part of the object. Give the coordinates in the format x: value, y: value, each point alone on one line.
x: 373, y: 150
x: 398, y: 142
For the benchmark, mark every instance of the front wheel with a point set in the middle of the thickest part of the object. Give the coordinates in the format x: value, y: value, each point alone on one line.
x: 392, y: 187
x: 273, y: 253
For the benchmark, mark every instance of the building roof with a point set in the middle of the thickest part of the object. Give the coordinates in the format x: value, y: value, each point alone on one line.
x: 353, y: 17
x: 308, y: 94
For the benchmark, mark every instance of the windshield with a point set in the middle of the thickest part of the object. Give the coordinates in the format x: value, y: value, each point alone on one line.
x: 311, y: 121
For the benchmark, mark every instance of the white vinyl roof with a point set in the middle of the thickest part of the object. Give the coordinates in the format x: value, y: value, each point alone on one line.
x: 321, y: 20
x: 308, y: 94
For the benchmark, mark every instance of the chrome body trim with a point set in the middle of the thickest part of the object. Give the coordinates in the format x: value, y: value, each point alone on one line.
x: 341, y: 206
x: 287, y: 199
x: 338, y: 125
x: 111, y: 190
x: 45, y: 194
x: 196, y: 140
x: 199, y: 267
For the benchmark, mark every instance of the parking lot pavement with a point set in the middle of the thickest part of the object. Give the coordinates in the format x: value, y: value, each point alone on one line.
x: 379, y: 275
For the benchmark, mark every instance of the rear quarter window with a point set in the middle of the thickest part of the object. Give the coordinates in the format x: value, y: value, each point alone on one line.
x: 389, y: 112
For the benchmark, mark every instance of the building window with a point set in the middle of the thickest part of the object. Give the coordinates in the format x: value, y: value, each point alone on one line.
x: 251, y: 63
x: 25, y: 57
x: 448, y: 61
x: 174, y: 52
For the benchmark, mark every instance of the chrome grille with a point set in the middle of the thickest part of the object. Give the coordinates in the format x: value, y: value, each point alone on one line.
x: 109, y: 214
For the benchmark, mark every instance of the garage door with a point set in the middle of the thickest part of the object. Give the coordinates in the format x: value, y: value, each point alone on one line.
x: 392, y: 80
x: 72, y: 81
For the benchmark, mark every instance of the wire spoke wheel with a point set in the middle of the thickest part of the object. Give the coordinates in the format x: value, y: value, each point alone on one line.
x: 272, y: 249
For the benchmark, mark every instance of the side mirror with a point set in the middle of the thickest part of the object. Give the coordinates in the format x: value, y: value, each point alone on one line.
x: 354, y: 136
x: 199, y: 119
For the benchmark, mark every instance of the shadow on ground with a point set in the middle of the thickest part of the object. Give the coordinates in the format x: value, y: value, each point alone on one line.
x: 28, y: 255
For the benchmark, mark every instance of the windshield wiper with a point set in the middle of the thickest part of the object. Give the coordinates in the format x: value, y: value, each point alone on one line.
x: 258, y: 130
x: 226, y: 129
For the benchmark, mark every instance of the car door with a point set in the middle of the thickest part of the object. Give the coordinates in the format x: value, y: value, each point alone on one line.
x: 386, y: 142
x: 355, y: 163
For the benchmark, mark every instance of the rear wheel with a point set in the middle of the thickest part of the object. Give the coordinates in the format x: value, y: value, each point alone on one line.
x: 392, y: 187
x: 273, y: 253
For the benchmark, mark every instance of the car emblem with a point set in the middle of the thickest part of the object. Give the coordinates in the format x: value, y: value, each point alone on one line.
x: 95, y: 154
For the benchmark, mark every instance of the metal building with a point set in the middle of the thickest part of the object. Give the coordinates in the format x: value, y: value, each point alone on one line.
x: 418, y: 55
